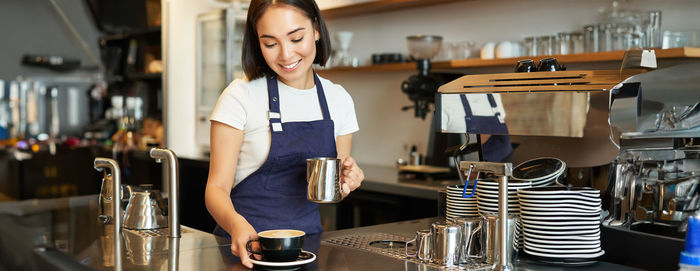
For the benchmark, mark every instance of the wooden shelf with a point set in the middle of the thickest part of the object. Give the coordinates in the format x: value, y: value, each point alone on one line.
x: 379, y: 6
x: 154, y: 30
x: 684, y: 52
x: 144, y: 76
x: 375, y: 68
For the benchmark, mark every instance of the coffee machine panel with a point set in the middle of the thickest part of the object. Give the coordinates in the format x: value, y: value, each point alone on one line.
x: 655, y: 121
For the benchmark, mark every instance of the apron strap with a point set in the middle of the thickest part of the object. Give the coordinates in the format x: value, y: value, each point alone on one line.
x: 494, y: 107
x: 321, y: 98
x: 274, y: 100
x: 467, y: 108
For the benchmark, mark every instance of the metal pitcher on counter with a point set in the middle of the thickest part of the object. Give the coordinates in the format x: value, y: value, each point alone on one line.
x: 145, y: 208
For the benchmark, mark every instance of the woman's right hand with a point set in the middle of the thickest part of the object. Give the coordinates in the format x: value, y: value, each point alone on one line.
x: 241, y: 233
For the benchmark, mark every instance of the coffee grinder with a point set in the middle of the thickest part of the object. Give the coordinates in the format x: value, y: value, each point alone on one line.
x: 421, y: 89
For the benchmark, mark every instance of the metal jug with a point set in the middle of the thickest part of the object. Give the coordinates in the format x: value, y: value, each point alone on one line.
x: 146, y: 209
x: 323, y: 177
x: 424, y: 246
x: 447, y: 242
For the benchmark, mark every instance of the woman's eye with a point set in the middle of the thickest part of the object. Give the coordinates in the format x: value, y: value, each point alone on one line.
x: 270, y: 45
x: 298, y: 40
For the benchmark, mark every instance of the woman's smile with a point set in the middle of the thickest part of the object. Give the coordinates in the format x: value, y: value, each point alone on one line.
x: 291, y: 67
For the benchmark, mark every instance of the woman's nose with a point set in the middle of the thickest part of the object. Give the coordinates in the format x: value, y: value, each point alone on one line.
x: 286, y: 51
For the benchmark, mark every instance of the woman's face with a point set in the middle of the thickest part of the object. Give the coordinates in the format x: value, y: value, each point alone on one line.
x: 288, y: 44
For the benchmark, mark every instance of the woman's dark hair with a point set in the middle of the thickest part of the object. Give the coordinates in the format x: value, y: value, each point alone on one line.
x: 254, y: 64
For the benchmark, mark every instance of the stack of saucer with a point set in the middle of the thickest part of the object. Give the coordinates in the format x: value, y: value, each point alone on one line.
x: 487, y: 195
x: 460, y: 206
x: 519, y: 241
x: 540, y: 171
x: 561, y: 225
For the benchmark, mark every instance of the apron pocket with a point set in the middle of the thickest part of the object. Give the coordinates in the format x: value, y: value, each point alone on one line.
x: 287, y: 175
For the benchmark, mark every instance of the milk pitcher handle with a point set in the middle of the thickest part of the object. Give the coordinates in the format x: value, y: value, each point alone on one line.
x: 414, y: 240
x: 421, y: 243
x: 471, y: 239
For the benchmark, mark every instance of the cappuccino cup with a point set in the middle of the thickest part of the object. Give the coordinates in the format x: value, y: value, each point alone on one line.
x: 278, y: 245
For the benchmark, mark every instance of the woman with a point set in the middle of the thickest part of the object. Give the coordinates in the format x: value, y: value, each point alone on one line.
x: 264, y: 129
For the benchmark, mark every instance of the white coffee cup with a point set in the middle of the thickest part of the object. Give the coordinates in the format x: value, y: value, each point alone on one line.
x: 487, y: 51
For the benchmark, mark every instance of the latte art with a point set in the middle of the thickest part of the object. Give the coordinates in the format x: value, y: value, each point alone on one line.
x: 281, y: 233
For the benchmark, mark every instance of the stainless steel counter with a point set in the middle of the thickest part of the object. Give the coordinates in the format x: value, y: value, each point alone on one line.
x: 63, y: 234
x: 337, y: 257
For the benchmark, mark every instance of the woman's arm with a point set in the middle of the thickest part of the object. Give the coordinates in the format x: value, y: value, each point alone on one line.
x: 343, y: 145
x: 226, y: 143
x: 352, y: 175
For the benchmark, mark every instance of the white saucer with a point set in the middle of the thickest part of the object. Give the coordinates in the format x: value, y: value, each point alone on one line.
x: 526, y: 204
x: 555, y: 214
x: 511, y: 183
x: 286, y: 265
x: 550, y: 233
x: 530, y: 221
x: 576, y: 256
x: 561, y: 190
x: 547, y: 202
x: 564, y: 251
x: 531, y: 240
x: 559, y: 226
x: 545, y: 238
x: 567, y: 246
x: 495, y: 201
x: 546, y: 210
x: 560, y: 197
x: 559, y: 219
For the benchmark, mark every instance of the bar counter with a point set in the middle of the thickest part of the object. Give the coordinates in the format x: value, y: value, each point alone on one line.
x: 378, y: 178
x: 64, y: 234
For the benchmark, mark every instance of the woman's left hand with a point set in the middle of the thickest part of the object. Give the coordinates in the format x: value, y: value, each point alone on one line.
x: 351, y: 176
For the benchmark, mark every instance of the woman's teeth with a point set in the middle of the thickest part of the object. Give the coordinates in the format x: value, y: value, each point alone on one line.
x: 291, y: 65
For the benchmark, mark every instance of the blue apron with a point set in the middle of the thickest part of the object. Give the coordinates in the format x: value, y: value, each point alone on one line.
x: 497, y: 148
x: 274, y: 196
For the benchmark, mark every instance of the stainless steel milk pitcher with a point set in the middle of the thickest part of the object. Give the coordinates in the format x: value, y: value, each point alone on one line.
x: 424, y: 246
x: 323, y: 177
x: 447, y: 242
x: 471, y: 228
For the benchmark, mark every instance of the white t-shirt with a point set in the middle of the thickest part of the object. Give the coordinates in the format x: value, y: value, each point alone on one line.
x: 244, y: 105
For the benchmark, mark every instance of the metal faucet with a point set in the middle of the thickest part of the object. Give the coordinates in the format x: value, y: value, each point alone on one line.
x: 100, y: 165
x: 173, y: 188
x: 504, y: 170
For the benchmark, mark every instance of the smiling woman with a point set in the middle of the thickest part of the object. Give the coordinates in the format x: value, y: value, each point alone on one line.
x: 264, y: 128
x: 288, y: 40
x: 284, y: 33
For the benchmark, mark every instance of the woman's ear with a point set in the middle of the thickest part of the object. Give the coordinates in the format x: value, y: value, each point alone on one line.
x: 317, y: 36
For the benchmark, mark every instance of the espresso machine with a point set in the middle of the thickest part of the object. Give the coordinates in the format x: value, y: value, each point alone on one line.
x: 655, y: 117
x: 653, y: 182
